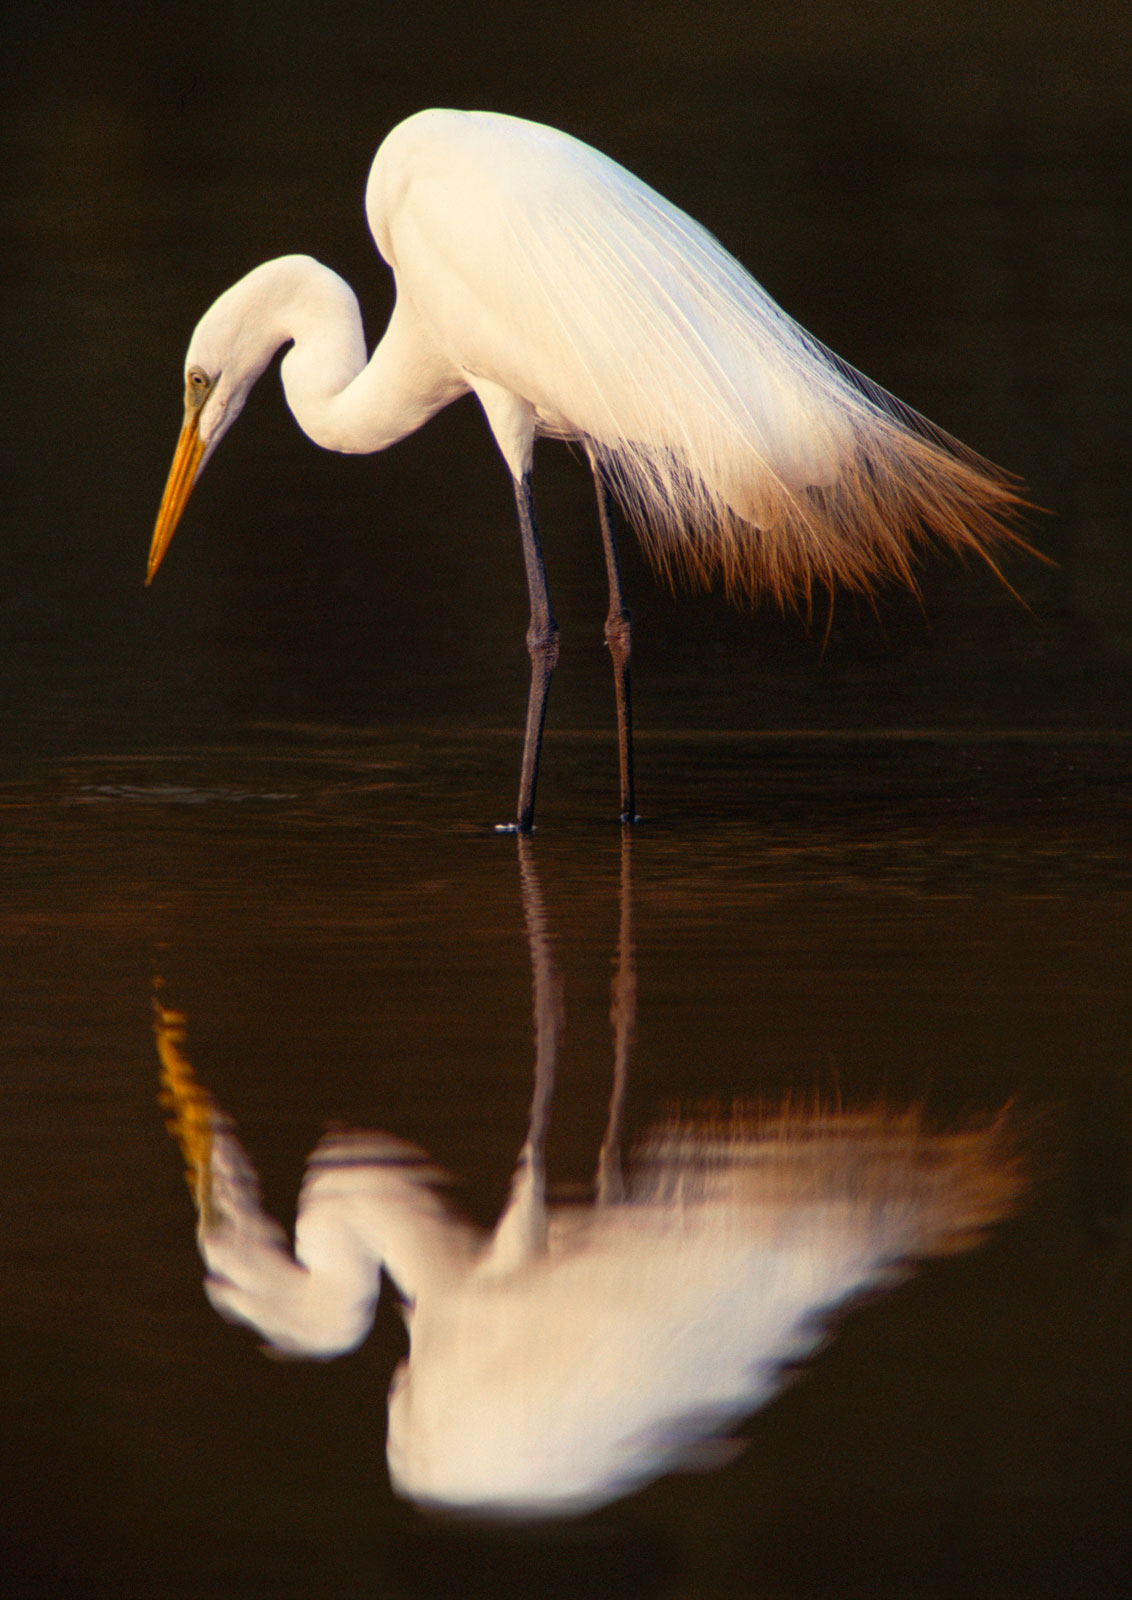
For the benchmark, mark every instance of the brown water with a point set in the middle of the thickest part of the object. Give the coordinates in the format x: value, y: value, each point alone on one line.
x: 897, y: 868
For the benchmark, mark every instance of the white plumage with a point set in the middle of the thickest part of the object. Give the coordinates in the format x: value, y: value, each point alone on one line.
x: 734, y: 440
x: 576, y: 302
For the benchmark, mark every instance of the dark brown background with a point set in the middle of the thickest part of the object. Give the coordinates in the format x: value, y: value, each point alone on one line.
x: 896, y: 866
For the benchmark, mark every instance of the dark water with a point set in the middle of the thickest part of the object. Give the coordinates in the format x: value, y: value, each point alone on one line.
x: 897, y: 868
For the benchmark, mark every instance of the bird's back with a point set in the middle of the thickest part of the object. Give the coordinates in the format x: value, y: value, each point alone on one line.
x: 555, y: 272
x: 734, y: 441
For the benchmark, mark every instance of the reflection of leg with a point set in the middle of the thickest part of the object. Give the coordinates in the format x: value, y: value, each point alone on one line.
x: 623, y: 1015
x: 546, y: 994
x: 618, y: 637
x: 542, y: 647
x: 521, y: 1231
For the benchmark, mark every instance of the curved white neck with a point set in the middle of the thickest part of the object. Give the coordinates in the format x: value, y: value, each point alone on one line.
x: 339, y: 399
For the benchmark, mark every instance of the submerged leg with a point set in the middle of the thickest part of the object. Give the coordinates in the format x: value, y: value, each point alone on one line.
x: 618, y: 640
x: 542, y: 646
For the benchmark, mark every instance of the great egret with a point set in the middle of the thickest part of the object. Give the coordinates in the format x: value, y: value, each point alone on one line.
x: 576, y: 302
x: 579, y: 1351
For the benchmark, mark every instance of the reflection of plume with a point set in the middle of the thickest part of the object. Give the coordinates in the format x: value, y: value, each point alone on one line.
x: 650, y: 1327
x: 576, y: 1352
x: 558, y: 1366
x: 909, y: 1191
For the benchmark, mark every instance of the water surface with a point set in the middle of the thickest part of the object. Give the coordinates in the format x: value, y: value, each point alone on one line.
x: 937, y: 923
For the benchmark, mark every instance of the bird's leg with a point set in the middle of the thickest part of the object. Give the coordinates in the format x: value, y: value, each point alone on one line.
x: 618, y: 639
x: 542, y: 646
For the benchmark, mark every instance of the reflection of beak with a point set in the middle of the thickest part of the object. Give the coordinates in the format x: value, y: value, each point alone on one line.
x: 182, y: 474
x: 192, y: 1113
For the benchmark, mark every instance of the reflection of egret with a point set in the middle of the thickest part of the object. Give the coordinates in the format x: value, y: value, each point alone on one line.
x: 575, y: 302
x: 578, y: 1351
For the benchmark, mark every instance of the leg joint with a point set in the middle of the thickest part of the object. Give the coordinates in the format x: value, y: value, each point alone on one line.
x: 542, y: 643
x: 618, y: 634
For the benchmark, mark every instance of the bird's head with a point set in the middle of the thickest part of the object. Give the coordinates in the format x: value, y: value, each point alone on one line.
x: 230, y: 348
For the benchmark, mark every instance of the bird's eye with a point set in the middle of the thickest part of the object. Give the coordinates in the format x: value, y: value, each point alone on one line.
x: 198, y: 386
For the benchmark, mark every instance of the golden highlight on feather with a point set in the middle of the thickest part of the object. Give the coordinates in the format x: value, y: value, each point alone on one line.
x: 926, y: 1192
x: 862, y: 531
x: 894, y: 491
x: 738, y: 446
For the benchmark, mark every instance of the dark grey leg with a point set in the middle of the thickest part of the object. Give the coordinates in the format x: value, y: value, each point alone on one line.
x: 618, y: 639
x: 542, y: 647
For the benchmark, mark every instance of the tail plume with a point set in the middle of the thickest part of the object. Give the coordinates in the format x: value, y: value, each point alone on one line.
x: 738, y: 446
x: 890, y: 484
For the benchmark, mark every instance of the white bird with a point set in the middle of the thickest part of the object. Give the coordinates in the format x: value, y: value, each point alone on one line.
x: 575, y: 302
x: 579, y: 1351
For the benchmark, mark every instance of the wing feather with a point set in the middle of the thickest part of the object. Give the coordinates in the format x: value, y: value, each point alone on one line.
x: 736, y: 443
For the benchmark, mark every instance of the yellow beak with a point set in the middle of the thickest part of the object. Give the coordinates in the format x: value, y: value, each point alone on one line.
x: 182, y: 474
